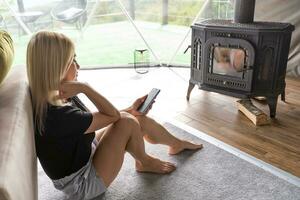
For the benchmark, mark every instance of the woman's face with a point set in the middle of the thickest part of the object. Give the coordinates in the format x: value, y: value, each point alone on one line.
x: 72, y: 73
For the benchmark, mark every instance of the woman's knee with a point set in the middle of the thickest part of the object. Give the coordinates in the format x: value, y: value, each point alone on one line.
x: 127, y: 121
x: 145, y: 121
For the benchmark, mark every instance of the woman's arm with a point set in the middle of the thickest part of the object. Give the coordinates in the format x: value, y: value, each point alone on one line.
x: 101, y: 103
x: 106, y: 114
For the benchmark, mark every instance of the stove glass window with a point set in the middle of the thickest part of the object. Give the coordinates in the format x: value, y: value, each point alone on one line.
x: 228, y: 61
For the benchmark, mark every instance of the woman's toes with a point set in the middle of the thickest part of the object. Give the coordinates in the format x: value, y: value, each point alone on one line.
x: 155, y: 166
x: 184, y: 145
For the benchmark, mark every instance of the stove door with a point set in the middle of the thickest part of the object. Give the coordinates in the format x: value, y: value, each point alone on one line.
x: 228, y: 63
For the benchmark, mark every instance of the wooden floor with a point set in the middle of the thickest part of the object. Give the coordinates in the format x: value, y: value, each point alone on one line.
x: 214, y: 114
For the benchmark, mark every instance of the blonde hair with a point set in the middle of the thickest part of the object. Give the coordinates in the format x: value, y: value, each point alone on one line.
x: 49, y: 55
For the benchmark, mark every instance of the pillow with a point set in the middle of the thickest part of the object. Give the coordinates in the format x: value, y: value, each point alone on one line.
x: 6, y: 54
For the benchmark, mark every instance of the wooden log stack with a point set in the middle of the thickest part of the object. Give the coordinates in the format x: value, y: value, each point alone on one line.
x: 257, y: 116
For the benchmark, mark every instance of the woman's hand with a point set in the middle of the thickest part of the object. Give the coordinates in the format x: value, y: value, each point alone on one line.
x: 133, y: 109
x: 69, y: 89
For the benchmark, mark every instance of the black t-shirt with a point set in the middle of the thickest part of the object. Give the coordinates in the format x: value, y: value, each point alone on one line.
x: 63, y: 148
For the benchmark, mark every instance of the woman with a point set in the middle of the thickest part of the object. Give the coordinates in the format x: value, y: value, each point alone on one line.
x: 82, y: 152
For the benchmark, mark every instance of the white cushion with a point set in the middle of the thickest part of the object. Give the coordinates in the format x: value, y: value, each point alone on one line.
x: 18, y: 162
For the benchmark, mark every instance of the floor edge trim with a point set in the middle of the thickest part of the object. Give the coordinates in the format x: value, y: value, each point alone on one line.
x: 247, y: 157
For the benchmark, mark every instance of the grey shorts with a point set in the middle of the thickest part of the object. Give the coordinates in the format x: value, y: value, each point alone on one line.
x: 83, y: 184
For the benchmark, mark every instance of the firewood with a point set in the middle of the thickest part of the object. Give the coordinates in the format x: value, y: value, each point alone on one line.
x: 260, y: 98
x: 257, y: 116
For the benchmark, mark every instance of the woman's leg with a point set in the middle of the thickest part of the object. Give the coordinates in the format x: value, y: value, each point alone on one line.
x: 155, y: 133
x: 125, y: 135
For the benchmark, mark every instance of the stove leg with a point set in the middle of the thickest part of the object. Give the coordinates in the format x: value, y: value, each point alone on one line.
x: 283, y: 93
x: 191, y: 86
x: 272, y: 102
x: 283, y: 96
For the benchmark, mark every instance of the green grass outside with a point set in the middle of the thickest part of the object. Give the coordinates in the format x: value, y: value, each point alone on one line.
x: 114, y: 43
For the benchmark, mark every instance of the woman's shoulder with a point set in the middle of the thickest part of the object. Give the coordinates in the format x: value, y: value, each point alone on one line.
x: 66, y: 120
x: 54, y: 109
x: 62, y: 106
x: 68, y: 111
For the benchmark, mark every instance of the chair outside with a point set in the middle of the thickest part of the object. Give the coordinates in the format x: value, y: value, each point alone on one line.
x: 71, y: 12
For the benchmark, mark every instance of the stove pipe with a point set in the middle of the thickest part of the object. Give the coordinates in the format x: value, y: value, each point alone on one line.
x: 244, y: 11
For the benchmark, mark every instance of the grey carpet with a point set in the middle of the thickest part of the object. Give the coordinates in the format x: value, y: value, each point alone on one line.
x: 209, y: 174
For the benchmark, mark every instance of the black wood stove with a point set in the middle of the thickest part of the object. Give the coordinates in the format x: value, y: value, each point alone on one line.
x: 240, y: 57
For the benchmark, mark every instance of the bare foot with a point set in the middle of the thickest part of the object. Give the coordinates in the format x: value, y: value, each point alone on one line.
x: 155, y: 165
x: 184, y: 145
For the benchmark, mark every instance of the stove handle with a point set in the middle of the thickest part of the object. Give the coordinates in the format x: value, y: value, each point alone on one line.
x: 247, y: 68
x: 187, y: 49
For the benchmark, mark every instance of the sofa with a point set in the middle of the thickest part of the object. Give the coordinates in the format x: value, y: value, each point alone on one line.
x: 18, y: 161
